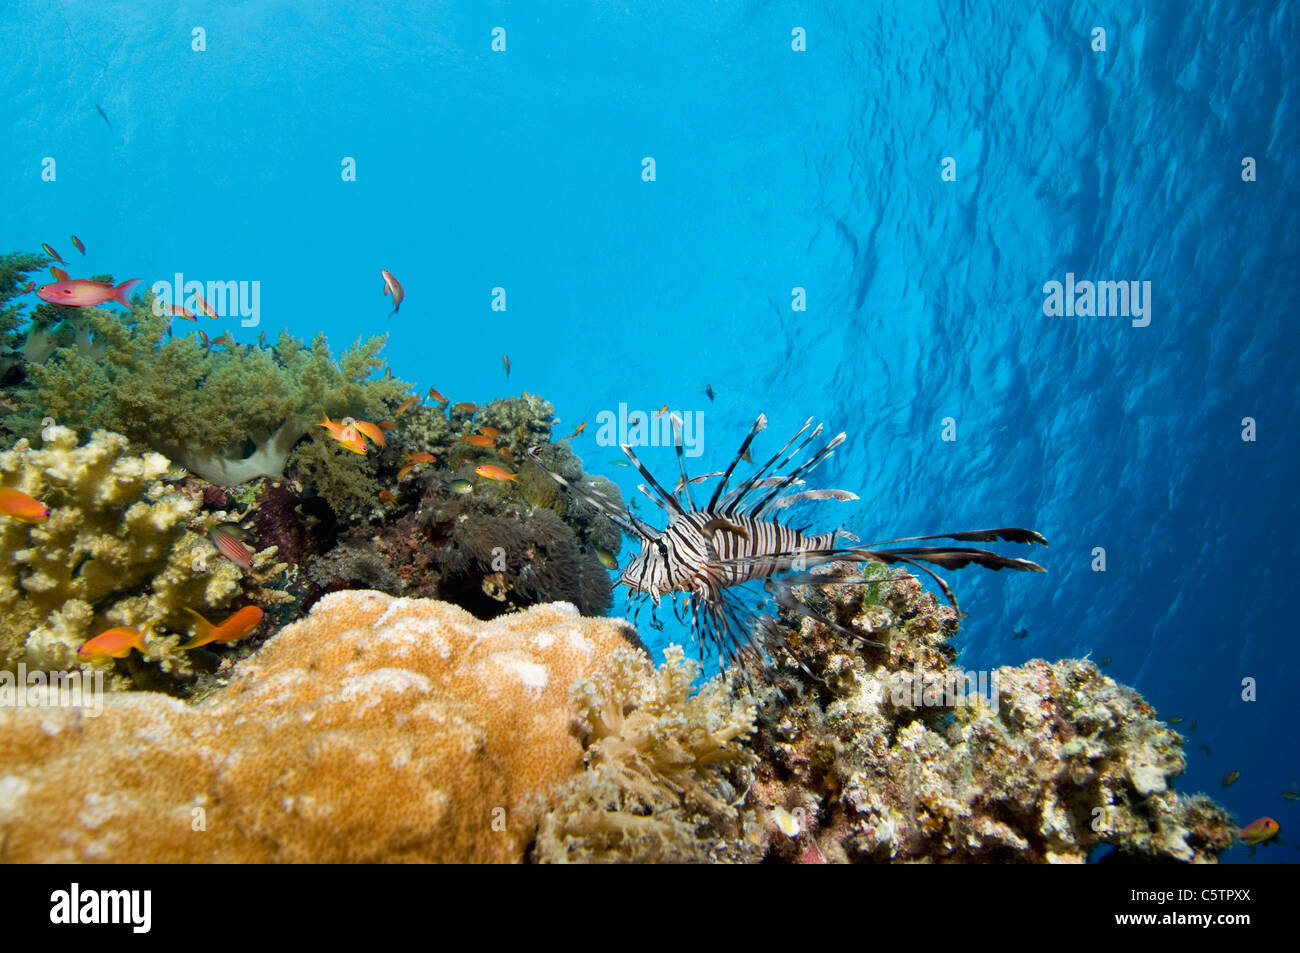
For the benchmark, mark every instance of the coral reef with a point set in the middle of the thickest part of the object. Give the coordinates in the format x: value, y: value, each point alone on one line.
x: 375, y: 729
x: 666, y: 771
x: 892, y: 754
x: 117, y: 549
x: 228, y: 412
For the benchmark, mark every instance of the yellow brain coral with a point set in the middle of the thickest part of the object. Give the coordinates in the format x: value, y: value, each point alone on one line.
x: 116, y: 550
x: 375, y: 729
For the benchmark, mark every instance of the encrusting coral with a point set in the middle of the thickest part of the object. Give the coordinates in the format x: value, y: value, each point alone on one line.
x: 117, y: 549
x: 666, y: 771
x: 375, y: 729
x: 893, y: 754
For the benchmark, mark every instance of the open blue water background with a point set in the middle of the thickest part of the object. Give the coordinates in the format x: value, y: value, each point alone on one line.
x: 776, y: 169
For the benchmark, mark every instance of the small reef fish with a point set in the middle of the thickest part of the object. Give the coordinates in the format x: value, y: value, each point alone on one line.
x: 405, y: 405
x: 52, y: 253
x: 204, y: 307
x: 1176, y: 720
x: 239, y: 625
x: 17, y: 505
x: 1291, y: 795
x: 394, y: 287
x: 404, y: 472
x: 230, y: 546
x: 58, y: 274
x: 606, y: 559
x: 77, y: 242
x: 1230, y: 778
x: 180, y: 311
x: 1206, y: 749
x: 619, y: 463
x: 478, y: 440
x: 505, y: 362
x: 1017, y: 634
x: 386, y: 497
x: 460, y: 486
x: 505, y: 452
x: 372, y: 433
x: 1260, y: 830
x: 661, y: 411
x: 437, y: 397
x: 708, y: 392
x: 204, y: 338
x: 468, y: 407
x: 387, y: 425
x: 115, y: 643
x: 103, y: 116
x: 494, y: 472
x: 682, y: 484
x: 83, y: 293
x: 261, y: 339
x: 422, y: 457
x: 580, y: 428
x: 490, y: 431
x: 346, y: 436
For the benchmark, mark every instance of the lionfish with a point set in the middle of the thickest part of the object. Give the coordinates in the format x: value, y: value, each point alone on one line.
x: 707, y: 554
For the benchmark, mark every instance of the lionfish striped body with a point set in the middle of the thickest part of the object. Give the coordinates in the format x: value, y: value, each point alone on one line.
x: 707, y: 554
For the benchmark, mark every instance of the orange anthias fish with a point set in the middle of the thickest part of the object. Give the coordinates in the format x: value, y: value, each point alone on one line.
x: 505, y: 452
x: 386, y: 497
x: 478, y: 440
x: 422, y: 457
x: 468, y: 407
x: 387, y: 425
x: 83, y: 293
x: 435, y: 396
x: 239, y: 625
x: 490, y: 431
x: 52, y: 253
x: 371, y: 433
x: 494, y: 472
x: 579, y: 430
x: 345, y: 434
x: 58, y: 274
x: 17, y: 505
x: 179, y: 311
x: 1258, y: 831
x: 230, y: 546
x: 394, y: 287
x: 1230, y: 778
x: 205, y: 307
x: 115, y: 643
x: 77, y: 242
x: 405, y: 406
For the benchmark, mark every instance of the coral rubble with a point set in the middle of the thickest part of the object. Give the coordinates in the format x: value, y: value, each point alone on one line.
x: 375, y: 729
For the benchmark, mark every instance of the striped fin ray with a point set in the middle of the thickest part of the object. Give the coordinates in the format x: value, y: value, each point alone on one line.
x: 800, y: 471
x: 759, y: 425
x: 681, y: 460
x: 760, y: 474
x: 625, y: 520
x: 670, y: 501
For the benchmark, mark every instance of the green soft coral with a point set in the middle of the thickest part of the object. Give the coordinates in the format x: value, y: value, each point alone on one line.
x: 116, y: 549
x: 229, y: 413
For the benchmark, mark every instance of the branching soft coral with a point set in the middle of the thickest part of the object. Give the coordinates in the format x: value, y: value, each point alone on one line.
x: 665, y: 770
x: 229, y: 413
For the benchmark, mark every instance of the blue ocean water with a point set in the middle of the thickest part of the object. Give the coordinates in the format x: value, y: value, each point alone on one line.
x: 776, y: 169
